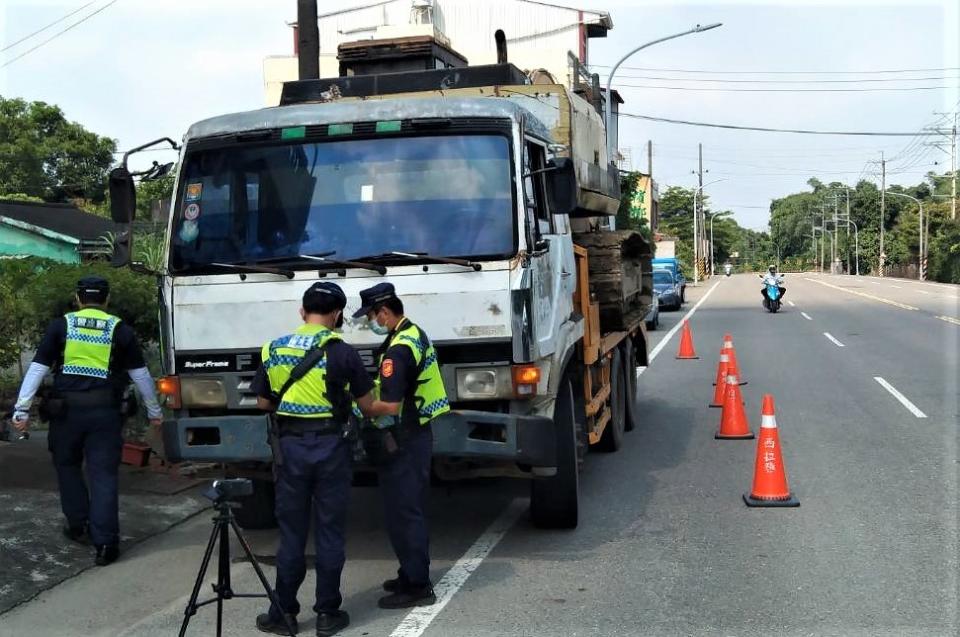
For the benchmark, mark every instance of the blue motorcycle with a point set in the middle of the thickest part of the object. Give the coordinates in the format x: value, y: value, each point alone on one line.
x: 771, y: 297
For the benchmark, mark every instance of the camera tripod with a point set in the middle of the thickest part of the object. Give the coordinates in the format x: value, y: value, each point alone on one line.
x: 223, y: 521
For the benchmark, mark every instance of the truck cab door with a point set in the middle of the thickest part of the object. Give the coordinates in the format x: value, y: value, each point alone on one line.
x: 552, y: 262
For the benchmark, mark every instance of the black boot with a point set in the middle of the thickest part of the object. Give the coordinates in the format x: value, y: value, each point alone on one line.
x: 392, y: 585
x: 107, y: 554
x: 408, y: 597
x: 332, y: 622
x: 276, y: 626
x: 76, y: 534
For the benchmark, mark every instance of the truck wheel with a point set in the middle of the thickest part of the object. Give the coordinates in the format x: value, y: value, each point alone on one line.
x: 555, y: 501
x: 257, y: 511
x: 632, y: 413
x: 612, y: 437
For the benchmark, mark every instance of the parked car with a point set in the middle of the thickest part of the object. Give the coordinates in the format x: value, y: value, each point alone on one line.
x: 667, y: 289
x: 653, y: 316
x: 672, y: 265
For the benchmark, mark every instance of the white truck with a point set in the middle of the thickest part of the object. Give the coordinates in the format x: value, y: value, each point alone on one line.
x: 464, y: 188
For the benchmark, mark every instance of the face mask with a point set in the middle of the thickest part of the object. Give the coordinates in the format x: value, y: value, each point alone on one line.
x: 379, y: 330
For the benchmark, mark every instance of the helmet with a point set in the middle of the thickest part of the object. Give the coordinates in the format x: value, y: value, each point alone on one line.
x: 772, y: 269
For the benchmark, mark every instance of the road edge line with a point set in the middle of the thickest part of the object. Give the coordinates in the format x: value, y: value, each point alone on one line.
x: 902, y: 306
x: 666, y: 338
x: 419, y: 619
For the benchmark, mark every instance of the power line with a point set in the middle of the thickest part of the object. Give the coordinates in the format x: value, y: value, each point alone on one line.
x: 57, y: 34
x: 740, y: 81
x: 831, y: 72
x: 762, y: 129
x: 789, y: 90
x: 39, y: 31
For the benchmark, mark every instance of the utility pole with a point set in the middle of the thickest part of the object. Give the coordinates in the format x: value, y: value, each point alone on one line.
x: 308, y: 35
x: 883, y: 209
x: 698, y: 211
x: 953, y: 161
x: 650, y: 158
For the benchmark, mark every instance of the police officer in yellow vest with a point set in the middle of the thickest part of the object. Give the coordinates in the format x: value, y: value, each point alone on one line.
x: 411, y: 396
x: 315, y: 471
x: 90, y: 352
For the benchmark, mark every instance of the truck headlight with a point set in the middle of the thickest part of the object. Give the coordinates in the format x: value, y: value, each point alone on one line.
x: 481, y: 383
x: 202, y: 392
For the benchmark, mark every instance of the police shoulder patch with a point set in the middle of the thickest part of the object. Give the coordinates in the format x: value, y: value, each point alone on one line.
x: 386, y: 368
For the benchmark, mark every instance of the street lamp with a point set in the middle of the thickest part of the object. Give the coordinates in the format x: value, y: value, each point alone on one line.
x: 921, y: 274
x: 725, y: 213
x: 607, y: 108
x: 856, y: 240
x: 696, y: 271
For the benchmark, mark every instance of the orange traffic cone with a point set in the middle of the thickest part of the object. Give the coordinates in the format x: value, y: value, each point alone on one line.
x: 733, y: 421
x: 769, y: 476
x: 734, y: 366
x: 721, y: 384
x: 686, y: 343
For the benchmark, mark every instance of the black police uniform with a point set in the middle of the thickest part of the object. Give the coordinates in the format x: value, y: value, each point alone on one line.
x: 405, y: 478
x: 316, y: 470
x: 88, y: 431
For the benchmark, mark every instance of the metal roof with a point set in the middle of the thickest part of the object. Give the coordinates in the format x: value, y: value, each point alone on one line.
x: 58, y: 218
x: 371, y: 110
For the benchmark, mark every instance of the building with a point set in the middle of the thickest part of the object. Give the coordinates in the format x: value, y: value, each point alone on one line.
x: 539, y: 35
x: 61, y: 232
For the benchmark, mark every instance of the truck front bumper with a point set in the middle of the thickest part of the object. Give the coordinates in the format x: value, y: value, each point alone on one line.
x: 217, y: 439
x: 528, y: 440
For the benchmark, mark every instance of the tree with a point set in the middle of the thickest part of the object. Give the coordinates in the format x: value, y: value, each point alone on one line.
x: 42, y: 154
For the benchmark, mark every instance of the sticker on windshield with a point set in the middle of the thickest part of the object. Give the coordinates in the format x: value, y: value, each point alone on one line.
x: 189, y: 231
x: 366, y: 192
x: 194, y: 191
x: 191, y: 212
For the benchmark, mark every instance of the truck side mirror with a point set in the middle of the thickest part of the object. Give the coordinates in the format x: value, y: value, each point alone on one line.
x: 123, y: 195
x: 561, y: 185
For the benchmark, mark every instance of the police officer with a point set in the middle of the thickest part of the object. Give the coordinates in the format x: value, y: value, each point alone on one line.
x: 411, y: 396
x: 315, y: 458
x: 90, y: 351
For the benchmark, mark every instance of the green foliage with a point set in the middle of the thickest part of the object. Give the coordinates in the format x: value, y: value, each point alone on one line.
x: 19, y: 196
x: 34, y: 291
x: 42, y: 154
x: 150, y: 193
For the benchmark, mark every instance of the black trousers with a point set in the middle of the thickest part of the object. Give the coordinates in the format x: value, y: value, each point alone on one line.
x: 89, y: 437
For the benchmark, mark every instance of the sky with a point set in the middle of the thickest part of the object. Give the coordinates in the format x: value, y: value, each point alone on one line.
x: 140, y: 70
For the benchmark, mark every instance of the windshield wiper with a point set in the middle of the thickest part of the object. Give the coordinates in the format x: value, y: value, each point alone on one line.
x: 423, y: 256
x: 323, y: 260
x: 259, y: 269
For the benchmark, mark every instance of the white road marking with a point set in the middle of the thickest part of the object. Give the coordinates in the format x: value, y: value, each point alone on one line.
x: 419, y: 619
x: 806, y: 316
x: 949, y: 319
x: 902, y: 306
x: 791, y: 304
x: 899, y: 287
x: 666, y: 339
x: 922, y: 292
x: 833, y: 340
x: 876, y: 282
x: 903, y: 399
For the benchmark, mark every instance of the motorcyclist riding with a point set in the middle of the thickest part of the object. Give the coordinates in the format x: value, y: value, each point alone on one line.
x: 727, y: 269
x: 772, y: 278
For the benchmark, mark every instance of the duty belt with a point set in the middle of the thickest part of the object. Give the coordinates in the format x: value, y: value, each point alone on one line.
x: 91, y: 398
x: 290, y: 426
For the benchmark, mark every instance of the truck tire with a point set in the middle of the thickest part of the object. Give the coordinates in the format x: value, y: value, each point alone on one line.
x: 257, y: 511
x: 555, y: 501
x: 612, y: 437
x: 632, y: 412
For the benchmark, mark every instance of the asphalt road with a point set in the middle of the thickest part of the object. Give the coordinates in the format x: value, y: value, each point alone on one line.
x: 665, y: 545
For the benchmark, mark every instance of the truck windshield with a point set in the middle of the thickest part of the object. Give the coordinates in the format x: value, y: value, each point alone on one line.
x: 448, y: 195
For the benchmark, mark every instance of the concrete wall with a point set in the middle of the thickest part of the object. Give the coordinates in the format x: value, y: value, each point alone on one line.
x: 16, y: 241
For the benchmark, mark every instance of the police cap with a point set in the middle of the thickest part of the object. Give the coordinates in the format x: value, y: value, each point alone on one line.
x: 322, y: 295
x: 371, y: 297
x: 93, y: 288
